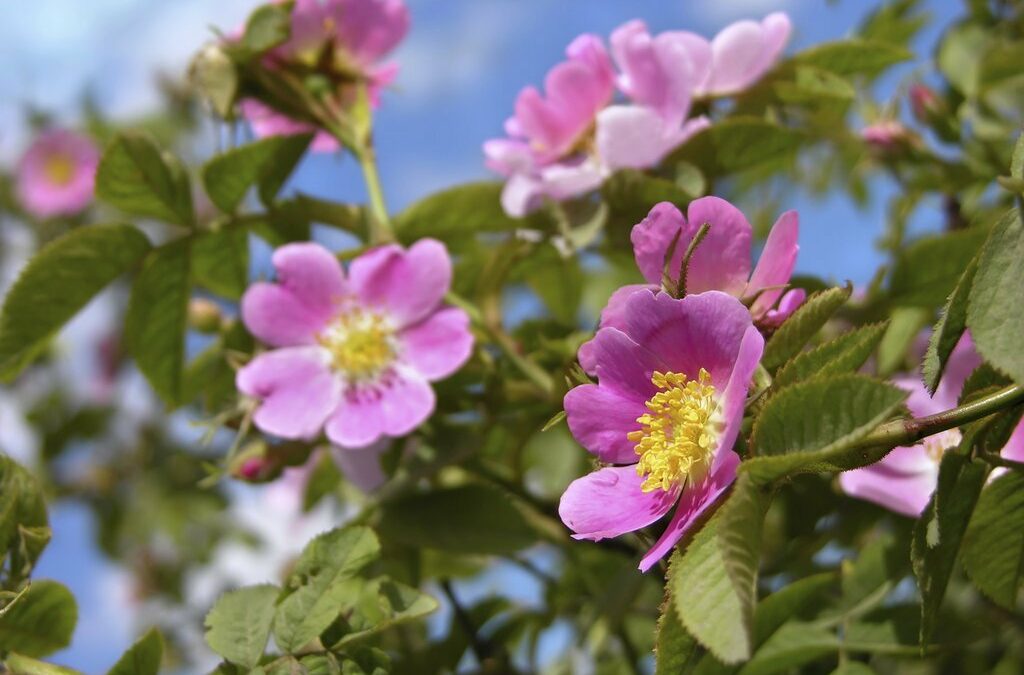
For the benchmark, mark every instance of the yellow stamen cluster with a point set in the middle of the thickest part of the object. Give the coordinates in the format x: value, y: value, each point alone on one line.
x: 361, y: 343
x: 59, y: 169
x: 678, y: 437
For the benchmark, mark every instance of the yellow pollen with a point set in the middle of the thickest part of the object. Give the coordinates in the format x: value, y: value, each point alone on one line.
x: 361, y: 343
x: 59, y: 169
x: 678, y: 437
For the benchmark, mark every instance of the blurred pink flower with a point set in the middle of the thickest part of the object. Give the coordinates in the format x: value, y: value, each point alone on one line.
x: 265, y: 121
x: 354, y: 354
x: 720, y: 262
x: 904, y: 480
x: 742, y: 53
x: 885, y: 134
x: 924, y: 102
x: 672, y: 382
x: 55, y: 177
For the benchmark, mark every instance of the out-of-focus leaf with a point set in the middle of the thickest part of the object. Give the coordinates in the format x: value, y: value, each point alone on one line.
x: 143, y: 658
x: 268, y: 26
x: 738, y: 143
x: 22, y: 511
x: 266, y: 162
x: 844, y: 354
x: 137, y: 177
x: 23, y: 665
x: 238, y: 626
x: 815, y: 85
x: 41, y: 622
x: 220, y: 261
x: 950, y: 327
x: 58, y: 282
x: 905, y: 325
x: 797, y: 330
x: 382, y: 603
x: 213, y: 74
x: 993, y: 546
x: 959, y: 56
x: 794, y: 644
x: 926, y: 272
x: 853, y: 57
x: 157, y: 318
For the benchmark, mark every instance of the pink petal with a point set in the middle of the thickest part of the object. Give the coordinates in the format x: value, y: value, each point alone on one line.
x: 788, y: 304
x: 36, y: 190
x: 265, y: 121
x: 507, y: 156
x: 775, y: 267
x: 612, y: 316
x: 362, y: 467
x: 734, y: 395
x: 439, y: 345
x: 692, y: 503
x: 297, y: 390
x: 369, y: 29
x: 1014, y: 448
x: 522, y: 194
x: 743, y: 52
x: 653, y: 236
x: 905, y: 492
x: 963, y: 361
x: 919, y: 403
x: 310, y: 286
x: 722, y: 261
x: 632, y: 137
x: 408, y: 284
x: 623, y: 365
x: 570, y: 179
x: 609, y: 502
x: 600, y: 417
x: 395, y: 406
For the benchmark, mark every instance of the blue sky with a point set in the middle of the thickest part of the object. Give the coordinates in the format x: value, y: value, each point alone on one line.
x: 462, y: 65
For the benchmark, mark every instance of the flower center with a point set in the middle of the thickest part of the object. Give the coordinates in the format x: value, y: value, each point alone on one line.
x: 59, y: 169
x: 937, y: 444
x: 361, y: 343
x: 679, y: 435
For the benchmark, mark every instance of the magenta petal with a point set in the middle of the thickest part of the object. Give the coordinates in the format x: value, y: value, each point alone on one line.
x: 39, y: 193
x: 609, y: 502
x: 901, y: 487
x: 278, y: 319
x: 722, y: 261
x: 692, y: 503
x: 600, y: 418
x: 393, y: 407
x: 369, y: 29
x: 775, y: 267
x: 733, y: 397
x: 653, y: 236
x: 612, y: 316
x: 623, y: 365
x: 1014, y: 448
x: 439, y: 345
x: 312, y: 274
x: 919, y: 403
x: 788, y: 304
x: 296, y: 388
x: 406, y: 284
x: 963, y: 360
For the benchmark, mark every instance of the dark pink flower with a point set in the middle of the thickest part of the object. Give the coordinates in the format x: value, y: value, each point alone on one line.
x: 904, y: 480
x: 354, y: 354
x: 665, y: 413
x: 55, y: 177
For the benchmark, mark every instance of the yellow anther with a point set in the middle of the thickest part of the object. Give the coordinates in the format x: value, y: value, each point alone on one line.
x: 678, y: 437
x: 361, y: 343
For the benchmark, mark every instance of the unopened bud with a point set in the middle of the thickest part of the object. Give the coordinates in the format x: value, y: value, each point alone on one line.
x: 204, y: 315
x: 886, y: 136
x: 924, y: 102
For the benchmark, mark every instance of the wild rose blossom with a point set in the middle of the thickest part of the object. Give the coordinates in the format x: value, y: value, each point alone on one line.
x: 720, y: 262
x: 904, y: 480
x: 353, y: 354
x: 56, y: 175
x: 672, y: 382
x: 355, y: 34
x: 567, y: 141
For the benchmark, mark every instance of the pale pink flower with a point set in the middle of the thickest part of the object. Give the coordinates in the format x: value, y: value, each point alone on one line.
x: 56, y: 175
x: 354, y: 354
x: 742, y: 53
x: 265, y: 121
x: 721, y: 262
x: 665, y: 413
x: 885, y: 134
x: 904, y: 480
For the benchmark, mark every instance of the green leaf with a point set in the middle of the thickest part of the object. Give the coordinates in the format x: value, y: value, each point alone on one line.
x: 853, y: 668
x: 795, y: 644
x: 24, y: 529
x: 738, y: 143
x: 815, y: 86
x: 465, y: 519
x: 143, y: 658
x: 993, y: 311
x: 951, y: 325
x: 157, y: 318
x: 959, y: 55
x: 136, y: 177
x: 267, y: 27
x: 853, y: 57
x: 220, y: 261
x: 383, y: 603
x: 993, y: 546
x: 844, y: 354
x: 324, y: 585
x: 238, y: 626
x: 41, y: 622
x: 1017, y: 160
x: 939, y: 531
x: 739, y: 538
x: 905, y: 325
x: 213, y: 74
x: 267, y: 162
x: 927, y: 271
x: 802, y: 325
x: 706, y: 597
x: 674, y: 648
x: 813, y: 426
x: 785, y: 603
x: 59, y: 281
x: 23, y: 665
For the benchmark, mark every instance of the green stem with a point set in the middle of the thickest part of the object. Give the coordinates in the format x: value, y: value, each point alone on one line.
x: 380, y: 224
x: 909, y: 431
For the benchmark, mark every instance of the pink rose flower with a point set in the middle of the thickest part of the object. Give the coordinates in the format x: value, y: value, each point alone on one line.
x: 742, y: 53
x: 358, y: 33
x: 56, y: 175
x: 904, y: 480
x: 353, y: 354
x: 672, y: 382
x: 721, y: 262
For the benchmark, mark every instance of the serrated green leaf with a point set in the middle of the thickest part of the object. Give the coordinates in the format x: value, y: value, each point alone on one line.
x: 324, y: 585
x: 22, y: 510
x: 993, y: 546
x: 993, y: 306
x: 853, y: 57
x: 136, y: 177
x: 813, y: 426
x: 267, y: 162
x: 844, y: 354
x: 939, y: 531
x: 143, y: 658
x: 675, y: 649
x: 465, y: 519
x: 59, y: 281
x: 927, y: 271
x: 238, y: 626
x: 41, y: 622
x: 383, y: 603
x: 794, y: 644
x: 801, y: 326
x: 220, y: 261
x: 951, y: 325
x: 157, y: 317
x: 267, y: 27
